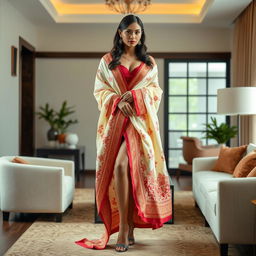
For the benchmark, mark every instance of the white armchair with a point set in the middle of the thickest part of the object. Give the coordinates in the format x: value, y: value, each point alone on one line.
x: 42, y: 186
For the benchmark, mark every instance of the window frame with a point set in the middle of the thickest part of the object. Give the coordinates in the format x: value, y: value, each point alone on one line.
x: 204, y: 58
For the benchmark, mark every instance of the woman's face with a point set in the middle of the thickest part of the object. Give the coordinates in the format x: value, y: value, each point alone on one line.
x: 131, y: 35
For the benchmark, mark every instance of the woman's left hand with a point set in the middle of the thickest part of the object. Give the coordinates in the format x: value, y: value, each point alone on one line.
x: 127, y: 97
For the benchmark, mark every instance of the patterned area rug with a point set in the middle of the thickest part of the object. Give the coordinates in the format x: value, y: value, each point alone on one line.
x: 187, y: 237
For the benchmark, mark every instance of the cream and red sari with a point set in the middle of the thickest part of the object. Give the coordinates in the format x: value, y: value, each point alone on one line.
x: 150, y: 180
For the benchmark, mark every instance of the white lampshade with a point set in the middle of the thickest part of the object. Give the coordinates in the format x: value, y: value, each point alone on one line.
x: 237, y: 101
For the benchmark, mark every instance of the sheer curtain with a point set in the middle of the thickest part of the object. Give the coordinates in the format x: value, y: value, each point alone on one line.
x: 244, y: 64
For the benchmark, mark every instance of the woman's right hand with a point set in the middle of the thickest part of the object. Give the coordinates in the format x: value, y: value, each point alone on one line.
x: 126, y: 108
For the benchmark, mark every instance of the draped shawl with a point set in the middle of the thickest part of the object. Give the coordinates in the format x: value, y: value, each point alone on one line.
x: 149, y: 176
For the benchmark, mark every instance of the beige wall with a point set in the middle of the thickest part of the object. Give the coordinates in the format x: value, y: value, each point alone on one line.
x: 73, y: 79
x: 12, y: 25
x: 159, y: 37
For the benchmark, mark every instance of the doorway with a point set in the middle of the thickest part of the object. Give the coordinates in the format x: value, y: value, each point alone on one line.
x: 27, y: 98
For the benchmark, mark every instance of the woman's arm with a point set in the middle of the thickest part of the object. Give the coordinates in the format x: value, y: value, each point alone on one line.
x: 104, y: 94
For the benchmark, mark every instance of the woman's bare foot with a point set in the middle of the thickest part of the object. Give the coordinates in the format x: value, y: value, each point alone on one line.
x: 122, y: 239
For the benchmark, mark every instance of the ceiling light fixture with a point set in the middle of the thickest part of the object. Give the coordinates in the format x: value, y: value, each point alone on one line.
x: 128, y: 6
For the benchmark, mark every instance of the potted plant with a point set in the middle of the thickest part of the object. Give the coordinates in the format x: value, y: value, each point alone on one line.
x: 62, y: 123
x: 221, y: 133
x: 48, y: 114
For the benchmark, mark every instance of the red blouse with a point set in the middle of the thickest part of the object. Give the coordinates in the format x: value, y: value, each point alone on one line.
x: 128, y: 75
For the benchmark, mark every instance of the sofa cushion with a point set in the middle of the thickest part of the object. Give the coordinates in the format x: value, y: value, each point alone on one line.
x: 207, y: 181
x: 229, y: 158
x: 245, y: 165
x: 211, y: 176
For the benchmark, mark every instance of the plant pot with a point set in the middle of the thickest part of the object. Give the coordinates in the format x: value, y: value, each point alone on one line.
x: 61, y: 138
x: 52, y: 134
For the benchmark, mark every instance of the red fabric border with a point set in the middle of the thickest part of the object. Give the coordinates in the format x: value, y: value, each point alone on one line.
x: 108, y: 232
x: 135, y: 102
x: 156, y: 223
x: 115, y: 103
x: 139, y: 102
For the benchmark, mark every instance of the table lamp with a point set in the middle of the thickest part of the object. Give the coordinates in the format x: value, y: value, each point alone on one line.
x: 237, y: 101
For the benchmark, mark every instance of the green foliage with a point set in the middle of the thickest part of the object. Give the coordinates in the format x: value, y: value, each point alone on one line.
x: 62, y: 123
x: 48, y: 114
x: 57, y: 119
x: 221, y: 133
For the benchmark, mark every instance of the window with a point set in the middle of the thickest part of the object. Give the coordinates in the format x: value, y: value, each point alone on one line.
x: 190, y: 101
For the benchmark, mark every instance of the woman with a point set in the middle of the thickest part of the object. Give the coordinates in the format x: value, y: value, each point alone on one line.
x: 132, y: 183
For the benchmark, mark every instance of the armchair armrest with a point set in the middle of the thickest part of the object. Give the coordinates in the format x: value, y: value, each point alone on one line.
x: 203, y: 163
x: 213, y: 146
x: 236, y: 212
x: 30, y: 187
x: 66, y: 164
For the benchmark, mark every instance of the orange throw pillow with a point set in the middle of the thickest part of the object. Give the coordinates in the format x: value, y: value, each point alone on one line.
x: 229, y: 158
x: 245, y: 165
x: 252, y: 173
x: 19, y: 160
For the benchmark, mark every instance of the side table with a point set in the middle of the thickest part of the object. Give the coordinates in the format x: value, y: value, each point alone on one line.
x: 78, y: 153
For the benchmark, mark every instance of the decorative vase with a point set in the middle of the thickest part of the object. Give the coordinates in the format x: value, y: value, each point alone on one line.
x: 62, y: 138
x: 52, y: 134
x: 71, y: 140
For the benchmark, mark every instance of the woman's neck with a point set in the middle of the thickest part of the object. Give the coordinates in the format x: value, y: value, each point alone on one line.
x: 129, y: 51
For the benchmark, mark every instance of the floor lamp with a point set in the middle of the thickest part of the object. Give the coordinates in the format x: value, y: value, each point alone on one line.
x: 237, y: 101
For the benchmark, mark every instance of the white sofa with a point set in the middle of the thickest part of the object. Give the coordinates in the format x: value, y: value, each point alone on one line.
x: 225, y: 202
x: 42, y: 186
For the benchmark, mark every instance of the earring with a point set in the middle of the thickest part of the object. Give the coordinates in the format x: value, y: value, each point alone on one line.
x: 120, y: 40
x: 139, y: 43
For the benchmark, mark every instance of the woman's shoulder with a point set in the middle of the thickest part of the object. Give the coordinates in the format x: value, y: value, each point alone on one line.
x: 107, y: 57
x: 152, y: 60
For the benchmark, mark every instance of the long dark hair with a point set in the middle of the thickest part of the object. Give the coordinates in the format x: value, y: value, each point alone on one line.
x: 118, y: 48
